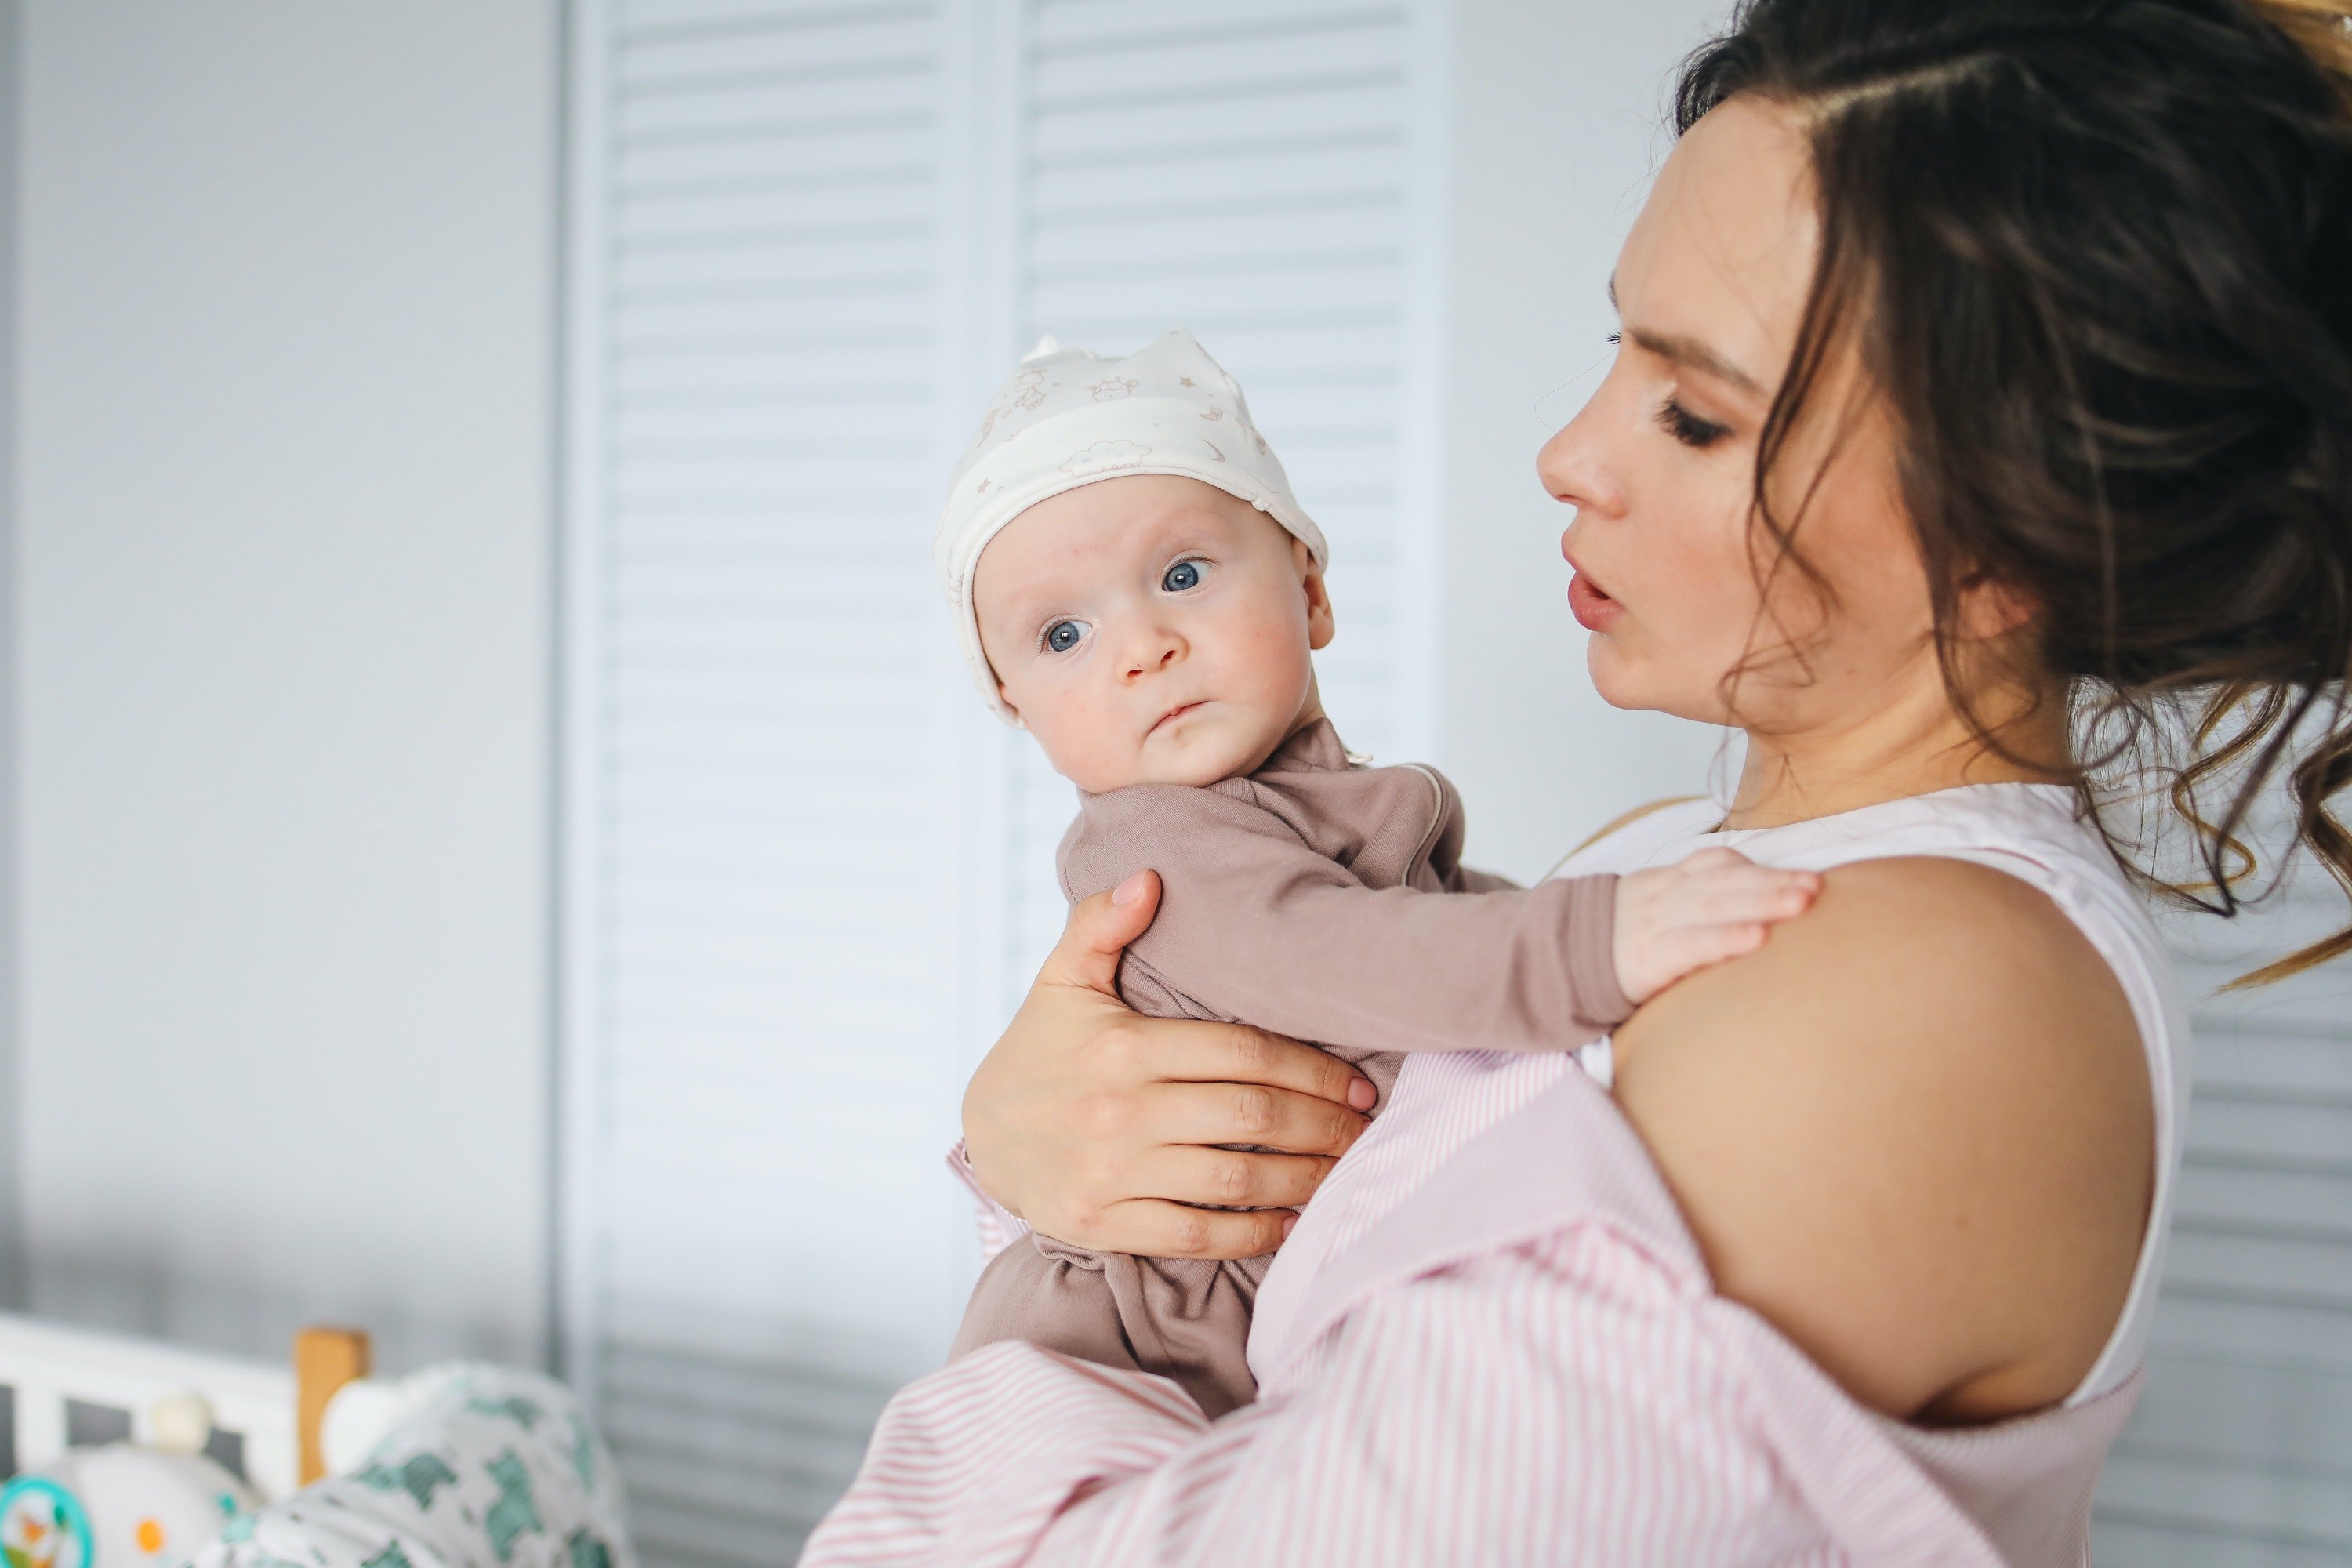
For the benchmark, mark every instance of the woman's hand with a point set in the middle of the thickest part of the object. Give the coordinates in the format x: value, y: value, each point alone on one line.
x: 1100, y: 1126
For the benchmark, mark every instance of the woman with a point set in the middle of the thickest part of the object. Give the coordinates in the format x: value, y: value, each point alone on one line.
x: 1984, y: 407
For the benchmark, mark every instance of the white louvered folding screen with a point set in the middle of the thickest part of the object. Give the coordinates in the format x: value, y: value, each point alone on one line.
x: 2239, y: 1455
x: 807, y: 874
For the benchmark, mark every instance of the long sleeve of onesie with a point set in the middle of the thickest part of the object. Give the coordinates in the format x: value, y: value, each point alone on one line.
x: 1257, y: 924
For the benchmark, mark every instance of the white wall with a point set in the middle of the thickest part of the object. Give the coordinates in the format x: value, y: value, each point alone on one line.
x: 1558, y: 123
x: 12, y: 1282
x: 284, y: 526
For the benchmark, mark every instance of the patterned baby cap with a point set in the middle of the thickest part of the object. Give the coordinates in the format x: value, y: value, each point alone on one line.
x: 1067, y: 417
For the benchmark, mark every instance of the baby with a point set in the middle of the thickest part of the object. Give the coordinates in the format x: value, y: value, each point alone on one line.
x: 1136, y: 585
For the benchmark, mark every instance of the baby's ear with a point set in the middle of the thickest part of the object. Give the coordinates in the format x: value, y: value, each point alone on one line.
x: 1320, y: 628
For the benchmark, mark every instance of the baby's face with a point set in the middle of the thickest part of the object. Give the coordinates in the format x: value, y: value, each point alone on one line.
x: 1152, y: 629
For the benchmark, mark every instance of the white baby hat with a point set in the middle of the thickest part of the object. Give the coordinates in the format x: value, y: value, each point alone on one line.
x: 1067, y: 417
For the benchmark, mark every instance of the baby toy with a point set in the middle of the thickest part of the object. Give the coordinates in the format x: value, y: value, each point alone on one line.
x: 125, y: 1505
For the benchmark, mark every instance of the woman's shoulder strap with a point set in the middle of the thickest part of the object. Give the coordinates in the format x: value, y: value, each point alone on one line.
x: 1638, y: 814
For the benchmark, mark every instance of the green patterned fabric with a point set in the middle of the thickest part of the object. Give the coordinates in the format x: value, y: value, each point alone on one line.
x: 488, y: 1469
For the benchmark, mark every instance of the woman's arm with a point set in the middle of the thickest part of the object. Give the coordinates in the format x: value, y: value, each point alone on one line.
x: 1098, y: 1126
x: 1914, y: 1133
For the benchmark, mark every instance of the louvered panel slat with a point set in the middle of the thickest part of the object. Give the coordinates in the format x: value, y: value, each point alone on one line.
x: 752, y: 391
x: 640, y: 22
x: 2263, y: 1195
x: 2314, y: 1003
x: 2308, y: 1510
x: 799, y: 261
x: 2127, y: 1542
x: 1344, y: 285
x: 1348, y: 112
x: 1059, y: 24
x: 2195, y: 1321
x: 2306, y: 1270
x: 830, y: 315
x: 1179, y: 67
x: 759, y: 110
x: 764, y: 403
x: 816, y: 44
x: 1351, y: 173
x: 1271, y: 238
x: 833, y: 155
x: 697, y: 213
x: 2289, y: 1133
x: 695, y: 739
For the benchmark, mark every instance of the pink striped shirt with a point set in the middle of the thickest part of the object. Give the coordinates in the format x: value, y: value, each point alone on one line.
x: 1490, y: 1338
x: 1522, y: 1362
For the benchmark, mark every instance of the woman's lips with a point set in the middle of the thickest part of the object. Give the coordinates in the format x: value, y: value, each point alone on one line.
x: 1594, y: 610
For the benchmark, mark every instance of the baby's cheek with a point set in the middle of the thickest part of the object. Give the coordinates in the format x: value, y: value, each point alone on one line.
x: 1278, y: 659
x: 1085, y: 747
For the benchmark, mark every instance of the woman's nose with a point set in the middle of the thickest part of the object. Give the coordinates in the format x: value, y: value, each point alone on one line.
x: 1573, y: 465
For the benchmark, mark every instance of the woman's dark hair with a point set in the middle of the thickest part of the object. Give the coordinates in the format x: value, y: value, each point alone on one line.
x: 2097, y: 257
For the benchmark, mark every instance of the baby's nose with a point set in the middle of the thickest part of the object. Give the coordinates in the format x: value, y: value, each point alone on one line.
x: 1155, y: 654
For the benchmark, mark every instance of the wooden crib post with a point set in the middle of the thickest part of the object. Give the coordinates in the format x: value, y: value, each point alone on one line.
x: 324, y: 1360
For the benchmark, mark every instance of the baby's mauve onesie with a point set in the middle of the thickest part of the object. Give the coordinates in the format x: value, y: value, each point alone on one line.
x: 1325, y: 900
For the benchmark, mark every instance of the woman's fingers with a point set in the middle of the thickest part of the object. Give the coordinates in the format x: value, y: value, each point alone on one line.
x: 1150, y: 1228
x: 1234, y: 1178
x: 1236, y: 1053
x: 1252, y: 1113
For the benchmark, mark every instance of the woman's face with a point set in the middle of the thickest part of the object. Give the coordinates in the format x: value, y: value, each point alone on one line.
x: 1672, y: 577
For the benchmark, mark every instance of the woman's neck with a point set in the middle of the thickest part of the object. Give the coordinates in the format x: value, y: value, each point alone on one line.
x: 1908, y: 748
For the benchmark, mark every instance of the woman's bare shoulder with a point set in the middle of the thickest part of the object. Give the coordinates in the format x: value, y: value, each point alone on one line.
x: 1914, y: 1132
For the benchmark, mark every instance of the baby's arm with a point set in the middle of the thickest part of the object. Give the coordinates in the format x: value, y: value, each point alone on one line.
x: 1257, y: 925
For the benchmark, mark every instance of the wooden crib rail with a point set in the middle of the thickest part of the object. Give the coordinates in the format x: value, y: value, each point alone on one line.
x: 274, y: 1409
x: 325, y: 1360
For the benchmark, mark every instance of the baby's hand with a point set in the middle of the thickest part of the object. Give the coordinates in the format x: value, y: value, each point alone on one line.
x: 1717, y: 904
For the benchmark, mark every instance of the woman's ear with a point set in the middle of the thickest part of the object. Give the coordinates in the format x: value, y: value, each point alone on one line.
x: 1990, y: 609
x: 1321, y: 626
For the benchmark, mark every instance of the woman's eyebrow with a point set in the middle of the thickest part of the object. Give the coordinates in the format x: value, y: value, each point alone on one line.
x: 1684, y: 350
x: 1697, y: 354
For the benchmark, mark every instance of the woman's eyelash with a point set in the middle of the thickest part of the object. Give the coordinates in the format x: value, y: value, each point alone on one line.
x: 1616, y: 340
x: 1688, y: 428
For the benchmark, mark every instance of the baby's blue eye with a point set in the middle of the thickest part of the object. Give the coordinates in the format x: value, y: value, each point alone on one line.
x: 1182, y: 576
x: 1064, y: 636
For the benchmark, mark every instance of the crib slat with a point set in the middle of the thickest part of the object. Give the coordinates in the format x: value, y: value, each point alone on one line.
x: 40, y: 1423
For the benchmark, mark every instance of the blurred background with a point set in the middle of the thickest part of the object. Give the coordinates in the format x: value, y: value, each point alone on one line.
x: 496, y: 844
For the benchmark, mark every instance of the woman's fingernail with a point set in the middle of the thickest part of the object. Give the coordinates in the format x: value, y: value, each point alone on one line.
x: 1360, y: 1094
x: 1289, y: 1223
x: 1127, y: 893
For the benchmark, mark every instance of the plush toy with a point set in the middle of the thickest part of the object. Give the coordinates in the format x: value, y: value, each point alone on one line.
x: 124, y: 1505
